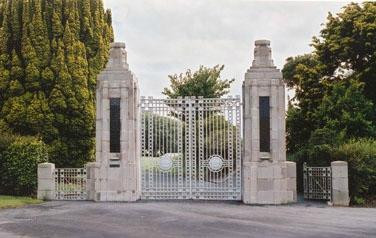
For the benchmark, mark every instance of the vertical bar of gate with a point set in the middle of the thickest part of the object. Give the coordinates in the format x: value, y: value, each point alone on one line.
x: 207, y: 145
x: 238, y: 146
x: 230, y: 145
x: 304, y: 180
x: 222, y: 145
x: 201, y: 150
x: 180, y: 147
x: 194, y: 146
x: 151, y: 147
x: 187, y: 146
x: 217, y: 132
x: 190, y: 145
x: 163, y: 109
x: 143, y: 172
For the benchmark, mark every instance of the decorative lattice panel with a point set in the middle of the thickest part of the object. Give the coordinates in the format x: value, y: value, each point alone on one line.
x: 70, y: 184
x: 191, y: 148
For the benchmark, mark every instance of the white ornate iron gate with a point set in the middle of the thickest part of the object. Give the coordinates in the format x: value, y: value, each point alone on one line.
x: 191, y: 148
x: 70, y: 184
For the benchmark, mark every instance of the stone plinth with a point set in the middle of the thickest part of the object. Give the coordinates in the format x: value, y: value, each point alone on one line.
x: 46, y: 181
x: 116, y: 176
x: 340, y: 183
x: 267, y: 177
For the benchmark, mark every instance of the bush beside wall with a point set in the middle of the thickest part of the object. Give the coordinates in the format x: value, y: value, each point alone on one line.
x: 361, y: 158
x: 19, y: 163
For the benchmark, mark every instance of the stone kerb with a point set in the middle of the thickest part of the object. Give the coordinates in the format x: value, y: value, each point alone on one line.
x: 46, y: 181
x: 340, y: 183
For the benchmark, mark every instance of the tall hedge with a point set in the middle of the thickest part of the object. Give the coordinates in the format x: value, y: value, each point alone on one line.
x: 50, y: 54
x: 19, y: 164
x: 361, y: 158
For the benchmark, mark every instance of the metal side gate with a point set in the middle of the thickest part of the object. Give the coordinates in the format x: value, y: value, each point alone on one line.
x: 317, y: 182
x: 191, y: 148
x: 70, y: 184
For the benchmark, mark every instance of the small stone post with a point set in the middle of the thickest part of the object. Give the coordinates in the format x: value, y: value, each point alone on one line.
x: 92, y: 169
x: 340, y: 184
x: 267, y: 177
x: 46, y: 181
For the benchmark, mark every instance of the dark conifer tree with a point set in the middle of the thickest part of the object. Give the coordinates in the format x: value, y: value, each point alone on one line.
x: 50, y: 54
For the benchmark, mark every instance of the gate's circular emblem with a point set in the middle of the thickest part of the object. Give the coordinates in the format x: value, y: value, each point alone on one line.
x: 215, y: 163
x: 165, y: 163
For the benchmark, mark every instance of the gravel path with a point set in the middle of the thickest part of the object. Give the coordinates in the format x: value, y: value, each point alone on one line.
x: 185, y: 219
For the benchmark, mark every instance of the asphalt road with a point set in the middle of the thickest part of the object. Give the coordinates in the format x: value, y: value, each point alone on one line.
x: 185, y: 219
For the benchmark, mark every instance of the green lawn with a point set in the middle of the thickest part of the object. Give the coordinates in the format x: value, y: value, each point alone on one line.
x: 12, y: 202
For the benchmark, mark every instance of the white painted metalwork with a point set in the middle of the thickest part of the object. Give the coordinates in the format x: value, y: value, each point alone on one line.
x: 190, y: 148
x: 70, y: 184
x: 317, y: 182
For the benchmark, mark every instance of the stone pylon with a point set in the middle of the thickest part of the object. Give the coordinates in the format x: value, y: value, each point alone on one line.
x: 267, y: 177
x: 115, y: 176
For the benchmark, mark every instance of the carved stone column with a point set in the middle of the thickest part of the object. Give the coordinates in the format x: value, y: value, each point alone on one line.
x: 267, y: 177
x: 117, y: 168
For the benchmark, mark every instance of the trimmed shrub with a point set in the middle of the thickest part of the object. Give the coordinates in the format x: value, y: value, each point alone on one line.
x: 19, y: 164
x: 361, y: 158
x: 6, y: 139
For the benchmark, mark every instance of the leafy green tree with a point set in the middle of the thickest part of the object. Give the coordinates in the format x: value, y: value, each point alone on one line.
x: 345, y: 109
x: 205, y: 82
x: 50, y: 54
x: 334, y: 101
x: 326, y: 91
x: 303, y: 75
x: 347, y: 43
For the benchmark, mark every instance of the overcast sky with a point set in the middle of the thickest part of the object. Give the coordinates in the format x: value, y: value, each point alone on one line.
x: 170, y: 36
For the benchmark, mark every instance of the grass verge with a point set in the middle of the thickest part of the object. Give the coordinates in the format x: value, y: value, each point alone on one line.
x: 13, y: 202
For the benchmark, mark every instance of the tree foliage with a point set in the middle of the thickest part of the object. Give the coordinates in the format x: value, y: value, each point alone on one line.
x: 334, y: 101
x: 50, y: 54
x: 335, y: 85
x: 303, y: 74
x: 205, y: 82
x: 347, y: 42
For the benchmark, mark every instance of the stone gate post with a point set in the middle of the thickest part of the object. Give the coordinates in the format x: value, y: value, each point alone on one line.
x: 46, y: 181
x: 267, y: 177
x: 117, y: 168
x: 340, y: 183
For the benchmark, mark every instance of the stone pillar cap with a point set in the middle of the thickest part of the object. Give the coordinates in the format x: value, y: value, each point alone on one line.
x: 262, y: 43
x: 117, y: 45
x: 339, y: 163
x: 262, y: 55
x: 118, y: 57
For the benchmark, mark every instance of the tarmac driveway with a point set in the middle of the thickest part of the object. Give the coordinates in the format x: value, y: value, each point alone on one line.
x: 185, y: 219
